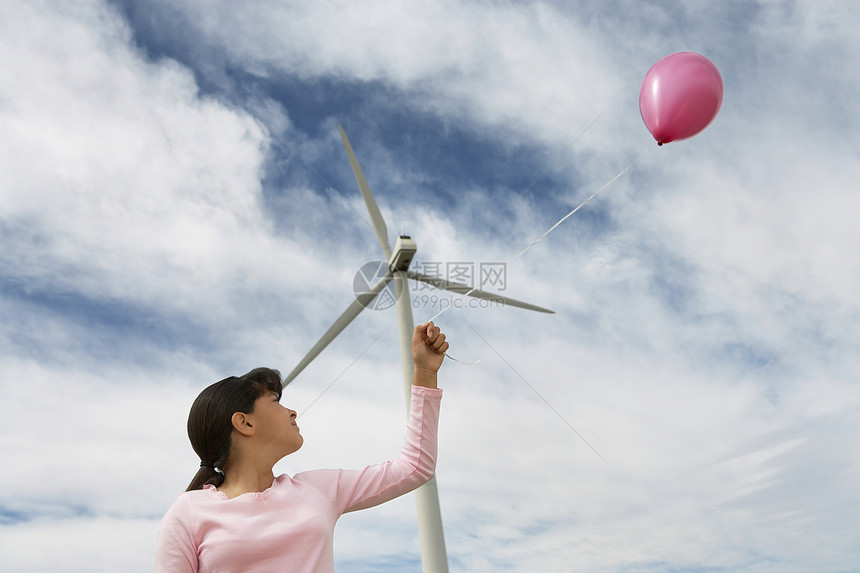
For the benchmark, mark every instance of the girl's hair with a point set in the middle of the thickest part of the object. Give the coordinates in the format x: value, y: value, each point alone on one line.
x: 210, y: 424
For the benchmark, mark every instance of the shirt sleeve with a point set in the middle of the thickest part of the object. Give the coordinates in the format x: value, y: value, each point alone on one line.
x: 175, y: 550
x: 351, y: 490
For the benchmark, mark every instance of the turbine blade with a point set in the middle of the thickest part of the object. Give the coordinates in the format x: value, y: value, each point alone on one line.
x: 372, y: 208
x: 353, y: 310
x: 467, y: 290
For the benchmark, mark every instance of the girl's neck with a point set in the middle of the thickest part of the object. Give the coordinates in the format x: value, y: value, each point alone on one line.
x: 246, y: 480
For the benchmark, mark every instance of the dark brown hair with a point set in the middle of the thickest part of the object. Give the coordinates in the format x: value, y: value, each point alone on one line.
x: 210, y: 423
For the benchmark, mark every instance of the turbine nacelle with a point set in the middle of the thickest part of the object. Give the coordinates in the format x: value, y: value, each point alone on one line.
x: 404, y: 250
x: 398, y: 261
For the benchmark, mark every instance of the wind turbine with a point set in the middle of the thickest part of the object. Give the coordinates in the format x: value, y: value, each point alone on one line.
x: 433, y: 555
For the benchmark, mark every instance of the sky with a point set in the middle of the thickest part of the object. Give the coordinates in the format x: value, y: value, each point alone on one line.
x: 176, y: 206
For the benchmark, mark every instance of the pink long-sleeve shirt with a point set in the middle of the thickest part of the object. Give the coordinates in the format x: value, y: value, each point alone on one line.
x: 290, y: 526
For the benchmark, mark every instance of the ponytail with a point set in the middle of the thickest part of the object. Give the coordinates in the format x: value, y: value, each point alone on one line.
x: 207, y: 474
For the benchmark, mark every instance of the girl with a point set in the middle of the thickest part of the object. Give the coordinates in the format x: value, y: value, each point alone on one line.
x: 236, y: 516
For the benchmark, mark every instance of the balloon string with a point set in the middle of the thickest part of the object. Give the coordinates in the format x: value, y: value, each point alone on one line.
x: 578, y: 207
x: 438, y: 314
x: 551, y: 229
x: 461, y: 362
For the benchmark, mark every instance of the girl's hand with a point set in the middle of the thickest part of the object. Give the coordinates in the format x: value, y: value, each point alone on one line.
x: 428, y: 348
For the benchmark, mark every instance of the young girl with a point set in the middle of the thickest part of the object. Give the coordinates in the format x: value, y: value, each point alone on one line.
x: 236, y: 516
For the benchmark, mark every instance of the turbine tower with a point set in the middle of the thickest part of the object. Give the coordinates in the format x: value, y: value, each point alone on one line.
x: 434, y: 558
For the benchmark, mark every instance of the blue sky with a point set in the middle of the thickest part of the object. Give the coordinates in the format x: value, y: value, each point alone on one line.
x: 176, y: 206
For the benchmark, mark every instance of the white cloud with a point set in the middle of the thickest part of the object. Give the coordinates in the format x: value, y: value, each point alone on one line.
x: 514, y: 66
x: 115, y: 172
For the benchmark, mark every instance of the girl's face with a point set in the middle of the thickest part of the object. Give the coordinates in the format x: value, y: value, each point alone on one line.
x: 277, y: 424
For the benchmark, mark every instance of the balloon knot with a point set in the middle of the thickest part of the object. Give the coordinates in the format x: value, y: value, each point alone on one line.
x: 659, y: 143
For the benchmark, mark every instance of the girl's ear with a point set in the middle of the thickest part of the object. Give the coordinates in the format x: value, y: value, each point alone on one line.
x: 243, y: 424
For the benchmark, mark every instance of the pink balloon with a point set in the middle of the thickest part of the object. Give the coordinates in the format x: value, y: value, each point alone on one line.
x: 680, y: 95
